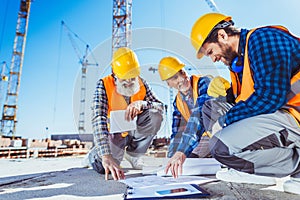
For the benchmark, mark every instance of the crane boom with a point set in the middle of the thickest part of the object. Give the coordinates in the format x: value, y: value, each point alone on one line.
x: 9, y: 113
x: 84, y: 64
x: 212, y: 5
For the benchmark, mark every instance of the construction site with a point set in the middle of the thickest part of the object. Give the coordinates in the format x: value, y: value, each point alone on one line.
x: 48, y: 81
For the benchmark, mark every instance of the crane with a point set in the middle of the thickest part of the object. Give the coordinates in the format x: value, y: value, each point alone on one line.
x: 4, y: 74
x: 84, y: 64
x: 121, y: 29
x: 3, y: 82
x: 9, y: 112
x: 212, y: 5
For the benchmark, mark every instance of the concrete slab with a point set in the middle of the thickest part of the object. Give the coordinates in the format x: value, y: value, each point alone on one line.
x: 64, y: 178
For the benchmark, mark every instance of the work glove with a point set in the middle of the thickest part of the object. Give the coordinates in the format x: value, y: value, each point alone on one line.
x: 218, y: 87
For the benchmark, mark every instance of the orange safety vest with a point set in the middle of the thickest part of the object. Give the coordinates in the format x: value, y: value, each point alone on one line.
x: 183, y: 107
x: 243, y: 91
x: 115, y: 100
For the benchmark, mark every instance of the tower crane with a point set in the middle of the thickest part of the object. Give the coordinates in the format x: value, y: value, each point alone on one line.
x: 4, y: 74
x: 121, y: 29
x: 84, y: 64
x: 9, y: 112
x: 3, y: 82
x: 212, y: 5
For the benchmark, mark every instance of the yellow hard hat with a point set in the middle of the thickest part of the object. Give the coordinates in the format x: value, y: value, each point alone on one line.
x: 125, y: 64
x: 169, y: 66
x: 202, y: 28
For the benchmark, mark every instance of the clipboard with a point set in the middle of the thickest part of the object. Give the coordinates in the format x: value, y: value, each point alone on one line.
x: 183, y: 191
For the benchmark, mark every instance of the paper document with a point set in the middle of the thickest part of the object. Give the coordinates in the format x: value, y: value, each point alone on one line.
x: 146, y: 181
x: 196, y: 166
x: 119, y: 124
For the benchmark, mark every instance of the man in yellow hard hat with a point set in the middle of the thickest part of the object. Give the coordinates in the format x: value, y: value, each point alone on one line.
x: 260, y: 134
x: 125, y: 90
x: 187, y: 124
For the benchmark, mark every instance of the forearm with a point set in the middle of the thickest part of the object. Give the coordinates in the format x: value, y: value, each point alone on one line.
x: 192, y: 134
x: 101, y: 139
x: 187, y: 144
x: 256, y: 104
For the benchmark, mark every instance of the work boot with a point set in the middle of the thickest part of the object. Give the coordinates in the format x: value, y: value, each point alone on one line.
x: 235, y: 176
x: 136, y: 162
x: 97, y: 166
x: 292, y: 185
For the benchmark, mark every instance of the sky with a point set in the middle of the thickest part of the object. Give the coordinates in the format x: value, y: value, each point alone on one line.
x: 48, y: 101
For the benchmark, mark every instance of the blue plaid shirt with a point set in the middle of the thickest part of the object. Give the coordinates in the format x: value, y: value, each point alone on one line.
x: 274, y: 57
x: 100, y: 111
x: 193, y: 129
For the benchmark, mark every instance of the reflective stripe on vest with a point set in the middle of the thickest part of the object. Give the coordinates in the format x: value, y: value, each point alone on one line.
x: 293, y: 97
x: 115, y: 100
x: 243, y: 91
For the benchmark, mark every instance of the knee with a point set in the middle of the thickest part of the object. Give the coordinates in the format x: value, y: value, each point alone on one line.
x: 218, y: 149
x: 150, y: 122
x: 157, y: 122
x: 156, y: 118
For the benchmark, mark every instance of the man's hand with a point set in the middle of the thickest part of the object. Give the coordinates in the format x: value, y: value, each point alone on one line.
x: 133, y: 110
x: 175, y: 164
x: 218, y: 87
x: 110, y: 165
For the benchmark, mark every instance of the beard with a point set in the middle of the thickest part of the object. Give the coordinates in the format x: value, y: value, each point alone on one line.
x: 229, y: 54
x: 126, y: 88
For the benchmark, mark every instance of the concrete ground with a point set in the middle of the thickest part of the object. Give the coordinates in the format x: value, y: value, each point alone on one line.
x: 65, y: 178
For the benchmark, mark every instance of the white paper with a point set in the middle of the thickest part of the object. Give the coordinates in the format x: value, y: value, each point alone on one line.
x: 195, y: 166
x: 147, y: 181
x: 119, y: 124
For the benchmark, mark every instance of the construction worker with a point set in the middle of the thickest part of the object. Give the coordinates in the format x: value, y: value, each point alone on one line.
x: 124, y: 89
x: 260, y: 134
x: 192, y: 93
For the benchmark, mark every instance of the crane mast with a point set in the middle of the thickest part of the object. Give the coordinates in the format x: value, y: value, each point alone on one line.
x: 84, y: 64
x: 9, y: 113
x: 121, y: 30
x: 3, y: 83
x: 81, y: 120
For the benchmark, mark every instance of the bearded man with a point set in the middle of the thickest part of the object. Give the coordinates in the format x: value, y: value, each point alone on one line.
x: 125, y: 90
